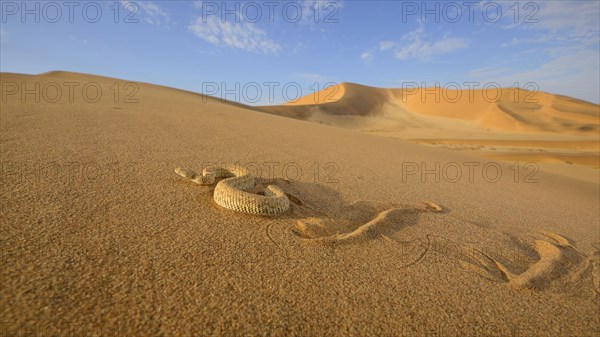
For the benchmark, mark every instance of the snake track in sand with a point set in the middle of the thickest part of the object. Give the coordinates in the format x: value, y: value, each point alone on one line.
x: 232, y: 192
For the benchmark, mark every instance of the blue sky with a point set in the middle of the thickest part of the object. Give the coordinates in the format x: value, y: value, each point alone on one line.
x: 267, y: 52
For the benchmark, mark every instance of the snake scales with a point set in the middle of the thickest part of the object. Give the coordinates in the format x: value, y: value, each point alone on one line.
x: 233, y: 191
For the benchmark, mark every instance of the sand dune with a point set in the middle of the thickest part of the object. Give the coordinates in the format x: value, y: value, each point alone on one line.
x: 99, y: 236
x: 505, y: 121
x: 514, y: 110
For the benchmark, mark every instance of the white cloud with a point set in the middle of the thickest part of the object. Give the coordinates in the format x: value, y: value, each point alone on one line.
x: 534, y: 40
x: 367, y: 55
x: 73, y: 38
x: 416, y: 46
x: 148, y: 11
x: 569, y: 33
x: 387, y: 45
x: 568, y: 22
x: 240, y: 35
x: 234, y: 30
x: 575, y: 74
x: 577, y: 17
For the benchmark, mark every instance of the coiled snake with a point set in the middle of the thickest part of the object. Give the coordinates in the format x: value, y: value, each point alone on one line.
x: 232, y: 192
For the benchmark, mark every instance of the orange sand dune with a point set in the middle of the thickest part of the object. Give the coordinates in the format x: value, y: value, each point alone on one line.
x: 508, y: 110
x: 499, y: 120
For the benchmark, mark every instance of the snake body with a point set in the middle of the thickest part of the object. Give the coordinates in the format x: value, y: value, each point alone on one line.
x: 232, y: 192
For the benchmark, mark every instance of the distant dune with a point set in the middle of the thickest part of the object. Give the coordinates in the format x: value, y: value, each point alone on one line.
x: 512, y: 110
x: 512, y: 125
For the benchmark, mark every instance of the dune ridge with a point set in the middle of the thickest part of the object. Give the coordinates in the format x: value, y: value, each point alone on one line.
x: 505, y: 109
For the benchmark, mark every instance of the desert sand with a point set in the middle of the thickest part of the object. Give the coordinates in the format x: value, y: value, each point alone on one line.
x: 514, y: 125
x: 99, y: 236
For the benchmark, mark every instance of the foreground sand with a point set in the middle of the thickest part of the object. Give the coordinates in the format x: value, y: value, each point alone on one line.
x: 99, y: 235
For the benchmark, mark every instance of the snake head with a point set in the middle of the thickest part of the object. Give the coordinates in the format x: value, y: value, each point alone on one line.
x: 208, y: 175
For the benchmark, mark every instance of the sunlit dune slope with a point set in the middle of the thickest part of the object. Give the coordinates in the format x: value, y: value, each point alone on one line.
x: 507, y: 109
